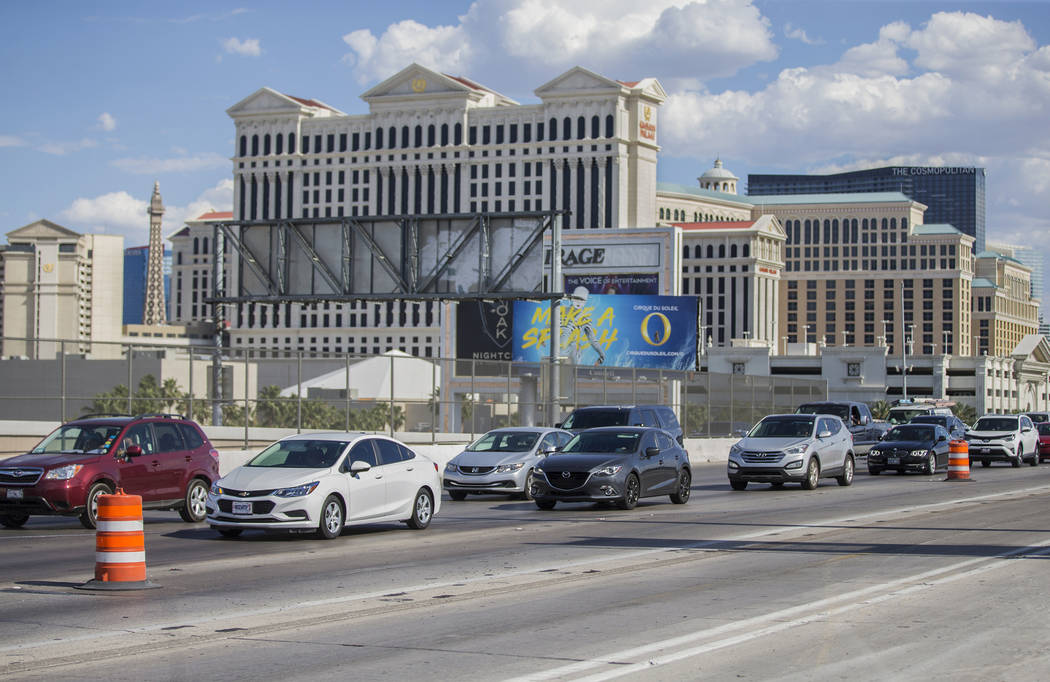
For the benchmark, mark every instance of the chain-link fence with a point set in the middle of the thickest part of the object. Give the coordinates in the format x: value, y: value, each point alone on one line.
x: 392, y: 392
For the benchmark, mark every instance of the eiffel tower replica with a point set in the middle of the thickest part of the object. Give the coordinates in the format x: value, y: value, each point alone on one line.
x: 153, y: 309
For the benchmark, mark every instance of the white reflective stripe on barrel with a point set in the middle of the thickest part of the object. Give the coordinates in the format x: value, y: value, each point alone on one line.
x: 120, y: 557
x: 118, y: 526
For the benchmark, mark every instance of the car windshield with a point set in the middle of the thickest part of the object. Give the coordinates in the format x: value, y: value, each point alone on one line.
x: 300, y: 454
x: 910, y: 432
x: 996, y: 424
x: 79, y: 438
x: 589, y: 419
x: 1039, y: 416
x: 604, y: 442
x: 840, y: 411
x: 504, y: 441
x: 783, y: 427
x: 928, y: 419
x: 905, y: 415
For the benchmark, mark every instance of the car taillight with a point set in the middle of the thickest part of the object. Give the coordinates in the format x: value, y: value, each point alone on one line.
x: 214, y: 455
x: 436, y: 467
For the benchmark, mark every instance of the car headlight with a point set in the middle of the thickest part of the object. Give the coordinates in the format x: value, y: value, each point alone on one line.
x: 799, y: 449
x: 505, y: 468
x: 215, y: 489
x: 919, y: 453
x: 538, y: 470
x: 733, y: 465
x: 296, y: 491
x: 607, y: 471
x: 451, y: 468
x: 797, y: 464
x: 64, y: 473
x: 736, y: 449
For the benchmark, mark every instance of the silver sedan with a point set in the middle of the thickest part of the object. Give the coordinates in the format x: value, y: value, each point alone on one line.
x: 502, y: 461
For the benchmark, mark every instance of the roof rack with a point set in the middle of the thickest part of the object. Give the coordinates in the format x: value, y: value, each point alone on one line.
x: 160, y: 414
x: 103, y: 414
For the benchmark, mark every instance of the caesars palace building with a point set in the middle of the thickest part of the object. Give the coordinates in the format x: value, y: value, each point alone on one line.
x: 781, y: 271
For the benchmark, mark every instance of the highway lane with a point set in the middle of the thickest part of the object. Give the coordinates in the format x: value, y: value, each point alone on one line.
x: 498, y: 589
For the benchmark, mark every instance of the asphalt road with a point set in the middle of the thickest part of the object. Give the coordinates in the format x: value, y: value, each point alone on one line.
x: 895, y: 577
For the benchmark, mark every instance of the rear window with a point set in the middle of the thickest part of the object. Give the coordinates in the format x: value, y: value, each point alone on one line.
x: 589, y: 419
x: 191, y: 435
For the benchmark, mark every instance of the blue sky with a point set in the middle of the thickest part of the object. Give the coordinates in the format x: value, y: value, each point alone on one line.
x: 103, y: 99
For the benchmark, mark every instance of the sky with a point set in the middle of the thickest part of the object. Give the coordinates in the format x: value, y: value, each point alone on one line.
x: 103, y: 99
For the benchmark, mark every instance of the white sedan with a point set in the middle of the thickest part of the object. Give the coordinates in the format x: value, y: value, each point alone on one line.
x: 324, y: 482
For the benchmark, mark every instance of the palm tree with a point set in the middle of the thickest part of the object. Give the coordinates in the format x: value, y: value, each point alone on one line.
x: 880, y: 409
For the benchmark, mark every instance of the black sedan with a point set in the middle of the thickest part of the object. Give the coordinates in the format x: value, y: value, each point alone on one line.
x: 614, y: 464
x: 910, y: 447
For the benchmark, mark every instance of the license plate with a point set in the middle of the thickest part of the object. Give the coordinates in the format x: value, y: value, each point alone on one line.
x: 242, y: 507
x: 893, y: 460
x: 983, y: 451
x: 14, y: 494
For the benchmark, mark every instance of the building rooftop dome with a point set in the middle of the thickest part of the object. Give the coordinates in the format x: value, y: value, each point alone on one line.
x: 718, y: 173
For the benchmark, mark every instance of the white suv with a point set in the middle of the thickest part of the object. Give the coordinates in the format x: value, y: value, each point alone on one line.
x: 793, y: 448
x: 1003, y: 438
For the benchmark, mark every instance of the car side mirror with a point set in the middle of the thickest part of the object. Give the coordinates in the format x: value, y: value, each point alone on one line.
x: 941, y: 439
x: 133, y: 451
x: 652, y: 452
x: 360, y: 466
x: 558, y: 425
x: 824, y: 434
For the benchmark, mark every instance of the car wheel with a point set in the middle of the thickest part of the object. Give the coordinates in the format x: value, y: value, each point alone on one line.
x: 330, y: 524
x: 526, y: 493
x: 1035, y: 457
x: 738, y: 485
x: 13, y: 520
x: 874, y: 471
x: 812, y: 475
x: 1018, y: 459
x: 457, y: 495
x: 931, y: 464
x: 986, y: 463
x: 422, y: 510
x: 681, y: 493
x: 229, y: 532
x: 546, y: 505
x: 631, y: 490
x: 89, y: 519
x: 195, y: 508
x: 847, y: 473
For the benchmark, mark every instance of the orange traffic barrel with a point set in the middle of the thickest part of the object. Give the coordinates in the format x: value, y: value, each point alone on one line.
x: 958, y: 461
x: 120, y: 545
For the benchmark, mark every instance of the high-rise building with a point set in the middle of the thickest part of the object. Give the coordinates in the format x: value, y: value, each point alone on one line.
x: 953, y: 196
x: 60, y: 284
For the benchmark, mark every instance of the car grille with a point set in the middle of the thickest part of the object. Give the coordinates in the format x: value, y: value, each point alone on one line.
x: 574, y: 479
x: 263, y: 507
x: 761, y: 457
x: 20, y: 475
x: 476, y: 471
x: 246, y: 493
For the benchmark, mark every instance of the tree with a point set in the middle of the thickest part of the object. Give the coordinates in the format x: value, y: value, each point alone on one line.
x: 880, y: 409
x: 967, y: 413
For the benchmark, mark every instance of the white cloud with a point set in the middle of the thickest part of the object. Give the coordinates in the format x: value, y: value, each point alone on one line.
x: 179, y: 164
x: 216, y: 198
x: 107, y: 122
x: 248, y: 47
x: 672, y: 38
x: 797, y: 33
x: 11, y: 141
x: 63, y: 148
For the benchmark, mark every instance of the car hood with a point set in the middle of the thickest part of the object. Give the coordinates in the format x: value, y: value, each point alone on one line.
x: 903, y: 445
x: 992, y: 435
x: 770, y: 443
x: 50, y: 461
x: 578, y: 462
x: 262, y: 478
x: 469, y: 458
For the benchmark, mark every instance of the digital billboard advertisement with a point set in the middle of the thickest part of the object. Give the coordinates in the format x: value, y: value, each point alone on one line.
x: 654, y: 332
x: 615, y: 284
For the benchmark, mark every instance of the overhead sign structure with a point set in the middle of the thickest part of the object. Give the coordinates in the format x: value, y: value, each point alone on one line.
x: 655, y: 332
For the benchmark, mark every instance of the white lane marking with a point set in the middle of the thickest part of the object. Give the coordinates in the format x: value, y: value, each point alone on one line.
x: 464, y: 582
x: 927, y: 582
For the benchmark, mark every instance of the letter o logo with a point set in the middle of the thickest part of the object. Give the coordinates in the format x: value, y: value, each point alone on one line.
x: 663, y: 336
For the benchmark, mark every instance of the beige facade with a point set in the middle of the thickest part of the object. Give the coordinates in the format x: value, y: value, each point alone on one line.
x: 1003, y: 310
x: 60, y: 284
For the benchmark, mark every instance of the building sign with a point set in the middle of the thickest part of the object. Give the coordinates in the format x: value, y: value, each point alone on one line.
x: 647, y: 124
x: 635, y: 283
x: 608, y: 256
x: 483, y: 330
x: 930, y: 170
x: 658, y: 332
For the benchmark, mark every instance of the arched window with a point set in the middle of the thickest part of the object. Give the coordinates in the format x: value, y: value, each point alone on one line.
x: 444, y: 134
x: 893, y: 223
x: 196, y: 245
x: 746, y: 250
x: 732, y: 251
x: 279, y: 143
x: 581, y: 128
x: 710, y: 251
x: 431, y: 134
x: 418, y: 138
x: 204, y: 246
x: 685, y: 251
x: 266, y: 144
x: 554, y: 129
x: 404, y: 137
x: 721, y: 250
x: 379, y: 138
x: 661, y: 214
x: 255, y: 145
x: 609, y: 126
x: 566, y: 128
x: 244, y: 145
x: 291, y: 143
x: 595, y: 127
x: 457, y: 132
x: 391, y: 136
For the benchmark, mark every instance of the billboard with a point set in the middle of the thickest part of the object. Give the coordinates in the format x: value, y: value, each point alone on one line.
x: 656, y: 332
x: 483, y: 330
x: 633, y: 283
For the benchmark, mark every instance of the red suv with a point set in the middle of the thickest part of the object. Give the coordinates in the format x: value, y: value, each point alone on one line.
x: 165, y: 458
x: 1044, y: 441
